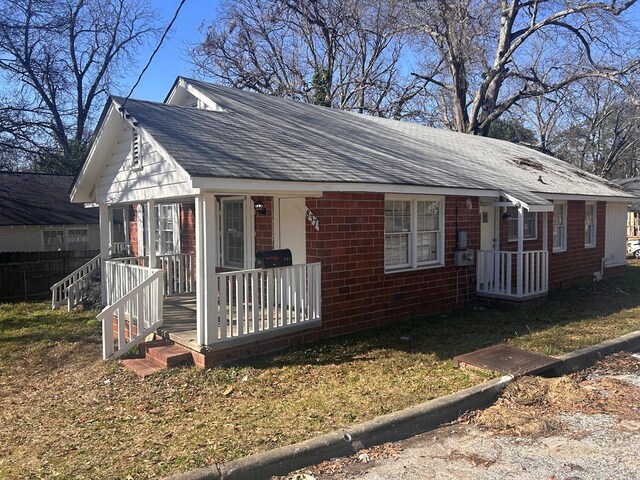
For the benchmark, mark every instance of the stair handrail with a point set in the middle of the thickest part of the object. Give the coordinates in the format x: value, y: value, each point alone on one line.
x: 60, y: 289
x: 106, y: 316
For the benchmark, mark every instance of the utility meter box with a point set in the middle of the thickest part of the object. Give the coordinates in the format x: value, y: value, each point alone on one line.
x: 464, y: 258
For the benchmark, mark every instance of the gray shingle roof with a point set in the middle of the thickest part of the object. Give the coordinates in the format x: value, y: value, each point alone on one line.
x: 263, y: 137
x: 38, y: 199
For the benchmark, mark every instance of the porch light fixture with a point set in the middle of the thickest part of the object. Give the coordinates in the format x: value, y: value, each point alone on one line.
x: 261, y: 210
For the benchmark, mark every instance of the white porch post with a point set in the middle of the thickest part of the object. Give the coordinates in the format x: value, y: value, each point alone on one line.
x: 206, y: 259
x: 104, y: 249
x: 151, y: 233
x: 519, y: 277
x: 110, y: 222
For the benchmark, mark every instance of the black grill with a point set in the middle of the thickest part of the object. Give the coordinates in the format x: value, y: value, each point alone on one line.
x: 273, y: 258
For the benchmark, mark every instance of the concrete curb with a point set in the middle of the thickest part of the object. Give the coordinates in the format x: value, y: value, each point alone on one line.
x: 584, y: 357
x: 394, y: 426
x: 391, y: 427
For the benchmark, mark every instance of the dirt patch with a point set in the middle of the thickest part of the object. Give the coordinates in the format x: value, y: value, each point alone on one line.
x: 529, y: 406
x: 345, y: 467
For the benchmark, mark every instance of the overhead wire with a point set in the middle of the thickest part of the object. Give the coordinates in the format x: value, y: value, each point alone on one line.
x: 164, y: 35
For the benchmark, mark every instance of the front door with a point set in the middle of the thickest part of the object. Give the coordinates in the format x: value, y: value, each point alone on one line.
x: 487, y: 228
x: 291, y: 228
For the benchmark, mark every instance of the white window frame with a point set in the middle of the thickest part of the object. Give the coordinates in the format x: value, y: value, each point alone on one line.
x: 248, y: 234
x: 592, y: 243
x: 413, y: 263
x: 136, y: 149
x: 513, y: 211
x: 563, y: 238
x: 175, y: 220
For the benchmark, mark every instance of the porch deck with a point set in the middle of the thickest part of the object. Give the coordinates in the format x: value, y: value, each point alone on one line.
x: 179, y: 323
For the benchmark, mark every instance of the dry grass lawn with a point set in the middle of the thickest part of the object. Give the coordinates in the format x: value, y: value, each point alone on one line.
x: 66, y: 413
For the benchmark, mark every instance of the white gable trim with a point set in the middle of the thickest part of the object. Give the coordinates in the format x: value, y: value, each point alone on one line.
x: 108, y: 133
x: 181, y: 83
x: 83, y: 187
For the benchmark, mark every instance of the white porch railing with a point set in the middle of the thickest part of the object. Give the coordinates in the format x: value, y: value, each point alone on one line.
x: 117, y: 247
x: 499, y: 275
x: 265, y: 300
x: 71, y: 288
x: 180, y: 272
x: 122, y: 275
x: 128, y: 319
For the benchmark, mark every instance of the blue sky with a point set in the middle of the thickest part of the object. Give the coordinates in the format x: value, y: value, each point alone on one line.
x: 171, y: 59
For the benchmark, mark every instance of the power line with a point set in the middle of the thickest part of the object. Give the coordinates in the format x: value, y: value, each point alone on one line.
x: 175, y: 15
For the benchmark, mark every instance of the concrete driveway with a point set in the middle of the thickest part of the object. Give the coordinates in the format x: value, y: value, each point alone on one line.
x: 581, y: 426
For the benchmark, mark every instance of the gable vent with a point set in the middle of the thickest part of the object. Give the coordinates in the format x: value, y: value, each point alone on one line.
x: 136, y: 161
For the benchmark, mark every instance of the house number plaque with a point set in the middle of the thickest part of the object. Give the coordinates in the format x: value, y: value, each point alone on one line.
x: 313, y: 220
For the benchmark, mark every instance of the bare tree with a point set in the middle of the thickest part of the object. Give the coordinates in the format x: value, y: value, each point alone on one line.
x: 600, y: 131
x: 497, y: 54
x: 58, y: 58
x: 345, y: 54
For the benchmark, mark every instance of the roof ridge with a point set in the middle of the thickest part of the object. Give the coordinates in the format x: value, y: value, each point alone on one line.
x: 11, y: 172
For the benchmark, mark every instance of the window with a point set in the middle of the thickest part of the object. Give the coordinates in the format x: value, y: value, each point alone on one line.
x: 78, y: 239
x: 413, y: 233
x: 233, y: 233
x: 65, y: 239
x: 559, y: 226
x: 167, y: 229
x: 589, y: 225
x: 53, y: 240
x: 530, y: 224
x: 136, y: 149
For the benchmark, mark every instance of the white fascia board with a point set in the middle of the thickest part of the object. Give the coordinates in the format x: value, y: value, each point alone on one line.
x: 224, y: 185
x: 541, y: 208
x: 531, y: 208
x: 515, y: 201
x: 589, y: 198
x: 183, y: 85
x: 201, y: 96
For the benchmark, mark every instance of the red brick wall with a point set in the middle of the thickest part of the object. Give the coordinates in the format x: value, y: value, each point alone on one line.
x: 188, y: 228
x: 356, y: 292
x: 264, y: 225
x: 133, y: 230
x: 575, y: 265
x: 578, y: 263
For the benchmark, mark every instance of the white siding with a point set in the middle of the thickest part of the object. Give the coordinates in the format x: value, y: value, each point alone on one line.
x: 615, y: 235
x: 158, y: 178
x: 28, y: 238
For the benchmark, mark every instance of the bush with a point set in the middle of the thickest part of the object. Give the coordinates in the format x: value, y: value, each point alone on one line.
x: 92, y: 298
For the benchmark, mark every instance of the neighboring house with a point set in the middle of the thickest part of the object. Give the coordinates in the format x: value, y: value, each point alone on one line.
x: 384, y: 219
x: 36, y: 215
x: 633, y: 217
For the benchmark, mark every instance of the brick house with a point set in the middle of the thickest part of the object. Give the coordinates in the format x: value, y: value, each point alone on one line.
x: 383, y: 219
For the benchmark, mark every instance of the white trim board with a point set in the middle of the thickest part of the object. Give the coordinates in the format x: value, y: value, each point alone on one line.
x: 270, y: 187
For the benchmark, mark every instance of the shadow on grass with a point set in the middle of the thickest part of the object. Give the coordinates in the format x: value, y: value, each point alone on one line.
x: 469, y: 329
x: 31, y: 322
